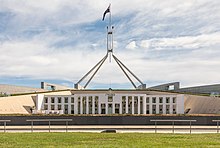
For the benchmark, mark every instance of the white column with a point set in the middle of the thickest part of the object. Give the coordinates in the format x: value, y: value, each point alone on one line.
x: 69, y: 105
x: 113, y: 108
x: 55, y: 103
x: 171, y: 105
x: 49, y: 103
x: 144, y: 104
x: 99, y: 107
x: 93, y: 105
x: 164, y: 105
x: 81, y: 105
x: 87, y: 105
x: 132, y: 104
x: 106, y: 108
x: 76, y: 105
x: 150, y: 105
x: 157, y: 105
x: 120, y: 108
x: 126, y: 106
x: 139, y: 105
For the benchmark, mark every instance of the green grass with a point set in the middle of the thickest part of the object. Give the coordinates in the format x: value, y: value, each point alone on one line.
x: 108, y: 140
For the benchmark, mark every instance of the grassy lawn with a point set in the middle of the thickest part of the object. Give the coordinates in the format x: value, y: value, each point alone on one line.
x: 108, y: 140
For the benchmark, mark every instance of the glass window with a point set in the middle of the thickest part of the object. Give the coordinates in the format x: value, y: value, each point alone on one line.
x: 72, y: 99
x: 161, y: 99
x: 52, y: 99
x: 45, y: 107
x: 147, y: 100
x: 167, y: 99
x: 66, y: 99
x: 59, y: 107
x: 110, y: 98
x: 174, y: 99
x: 154, y: 100
x: 45, y: 100
x: 52, y: 107
x: 59, y: 99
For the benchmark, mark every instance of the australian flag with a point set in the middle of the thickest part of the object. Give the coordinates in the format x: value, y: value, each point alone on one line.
x: 106, y: 11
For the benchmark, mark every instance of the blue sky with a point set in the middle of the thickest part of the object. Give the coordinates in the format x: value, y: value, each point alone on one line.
x: 58, y: 41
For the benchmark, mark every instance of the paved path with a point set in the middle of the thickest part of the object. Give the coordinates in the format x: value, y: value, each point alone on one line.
x: 119, y: 129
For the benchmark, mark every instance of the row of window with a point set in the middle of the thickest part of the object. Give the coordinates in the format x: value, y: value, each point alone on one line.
x: 110, y: 99
x: 109, y: 110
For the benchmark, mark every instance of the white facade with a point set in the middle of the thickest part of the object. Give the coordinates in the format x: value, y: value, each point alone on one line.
x: 111, y: 103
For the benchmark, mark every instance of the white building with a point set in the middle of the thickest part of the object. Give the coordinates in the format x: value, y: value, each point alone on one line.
x: 111, y: 102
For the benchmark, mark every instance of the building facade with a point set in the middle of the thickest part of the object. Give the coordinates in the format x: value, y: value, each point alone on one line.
x: 110, y: 102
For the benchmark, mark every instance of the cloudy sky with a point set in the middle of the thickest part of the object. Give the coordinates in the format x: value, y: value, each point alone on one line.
x: 58, y: 41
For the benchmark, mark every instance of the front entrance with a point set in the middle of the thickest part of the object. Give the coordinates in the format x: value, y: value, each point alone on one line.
x: 109, y: 108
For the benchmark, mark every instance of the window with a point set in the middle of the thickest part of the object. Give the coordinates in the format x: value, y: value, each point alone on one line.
x: 154, y: 109
x: 45, y: 100
x: 147, y: 100
x: 167, y: 109
x: 147, y: 109
x: 161, y: 109
x: 174, y: 99
x: 66, y: 99
x: 110, y: 98
x: 167, y: 99
x: 154, y: 100
x: 52, y: 99
x: 65, y: 109
x: 52, y: 107
x: 174, y: 109
x: 45, y: 107
x: 161, y: 99
x: 96, y: 104
x: 102, y: 108
x: 59, y: 99
x: 59, y: 107
x: 72, y: 109
x: 117, y: 106
x: 72, y: 99
x: 123, y: 102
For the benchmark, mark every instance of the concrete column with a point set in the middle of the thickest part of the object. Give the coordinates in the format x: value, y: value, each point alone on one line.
x: 113, y: 108
x: 87, y: 105
x: 144, y: 104
x: 106, y: 108
x: 99, y: 107
x: 81, y: 105
x: 120, y: 108
x: 69, y: 105
x: 157, y: 105
x: 126, y: 106
x: 150, y: 105
x: 164, y: 105
x: 76, y: 105
x: 93, y: 105
x: 171, y: 105
x: 132, y: 104
x: 139, y: 105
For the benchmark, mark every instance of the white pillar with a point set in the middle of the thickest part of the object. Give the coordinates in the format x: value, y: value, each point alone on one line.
x: 144, y: 104
x: 139, y: 105
x: 93, y: 105
x: 69, y: 105
x: 99, y: 107
x: 106, y: 108
x: 113, y: 108
x: 76, y: 105
x: 120, y: 108
x: 150, y: 105
x: 87, y: 105
x: 164, y: 105
x: 126, y: 106
x: 132, y: 104
x: 81, y: 105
